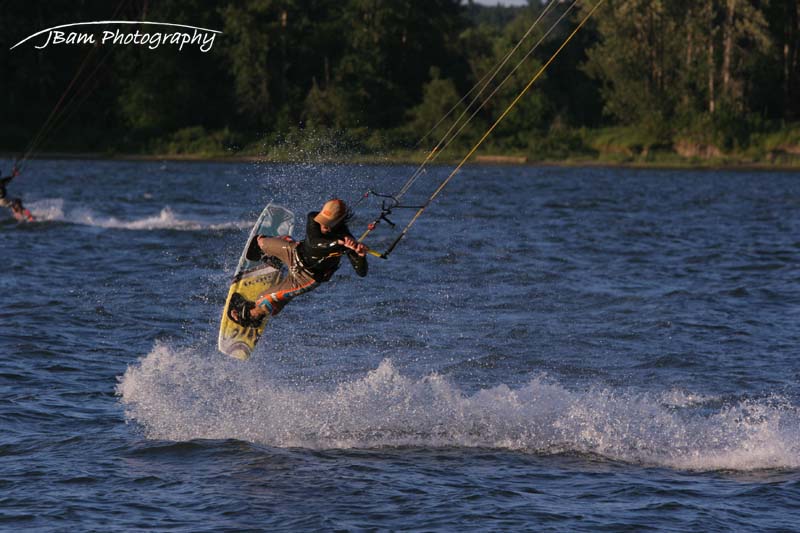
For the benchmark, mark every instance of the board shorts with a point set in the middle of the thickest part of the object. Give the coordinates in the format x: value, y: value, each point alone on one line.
x: 298, y: 281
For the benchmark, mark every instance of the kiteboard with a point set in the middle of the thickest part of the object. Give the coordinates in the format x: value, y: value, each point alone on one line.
x: 253, y: 277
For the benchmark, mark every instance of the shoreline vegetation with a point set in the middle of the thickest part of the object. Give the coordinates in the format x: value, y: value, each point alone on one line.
x: 607, y: 147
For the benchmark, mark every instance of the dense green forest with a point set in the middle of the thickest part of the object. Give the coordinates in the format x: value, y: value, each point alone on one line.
x: 644, y: 81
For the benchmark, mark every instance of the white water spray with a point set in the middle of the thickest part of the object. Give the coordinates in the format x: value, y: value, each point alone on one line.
x: 180, y: 395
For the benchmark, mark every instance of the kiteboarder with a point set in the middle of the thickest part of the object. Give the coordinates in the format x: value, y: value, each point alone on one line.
x: 310, y: 262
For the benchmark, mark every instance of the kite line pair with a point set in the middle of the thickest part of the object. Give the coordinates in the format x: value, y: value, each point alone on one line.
x: 393, y: 201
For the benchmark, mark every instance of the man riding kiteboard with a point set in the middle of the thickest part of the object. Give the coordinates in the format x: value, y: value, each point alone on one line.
x: 310, y: 262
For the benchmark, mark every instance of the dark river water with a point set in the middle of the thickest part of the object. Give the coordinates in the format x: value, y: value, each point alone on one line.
x: 550, y: 349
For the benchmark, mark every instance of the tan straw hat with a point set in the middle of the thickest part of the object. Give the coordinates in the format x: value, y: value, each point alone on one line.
x: 332, y: 213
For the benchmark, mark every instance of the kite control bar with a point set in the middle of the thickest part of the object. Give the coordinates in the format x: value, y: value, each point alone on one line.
x: 389, y: 203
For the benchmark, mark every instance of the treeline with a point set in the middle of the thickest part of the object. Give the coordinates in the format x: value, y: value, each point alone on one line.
x: 703, y: 79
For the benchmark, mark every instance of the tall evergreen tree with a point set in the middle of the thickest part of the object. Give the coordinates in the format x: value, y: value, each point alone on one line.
x: 390, y: 49
x: 638, y: 60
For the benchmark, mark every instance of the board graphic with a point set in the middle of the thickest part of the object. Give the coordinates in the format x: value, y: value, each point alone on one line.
x: 250, y: 280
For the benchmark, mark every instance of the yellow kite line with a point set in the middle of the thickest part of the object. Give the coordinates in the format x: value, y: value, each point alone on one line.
x: 111, y: 22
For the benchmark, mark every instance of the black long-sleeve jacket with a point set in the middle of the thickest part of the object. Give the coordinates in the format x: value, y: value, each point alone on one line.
x: 321, y: 254
x: 3, y: 183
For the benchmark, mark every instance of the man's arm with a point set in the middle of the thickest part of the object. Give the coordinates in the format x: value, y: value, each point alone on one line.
x: 14, y: 174
x: 359, y: 263
x: 356, y: 253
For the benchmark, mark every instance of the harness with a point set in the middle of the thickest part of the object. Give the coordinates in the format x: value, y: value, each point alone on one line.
x: 299, y: 266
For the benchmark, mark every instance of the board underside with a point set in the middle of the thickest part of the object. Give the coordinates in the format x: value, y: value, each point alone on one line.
x: 252, y: 278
